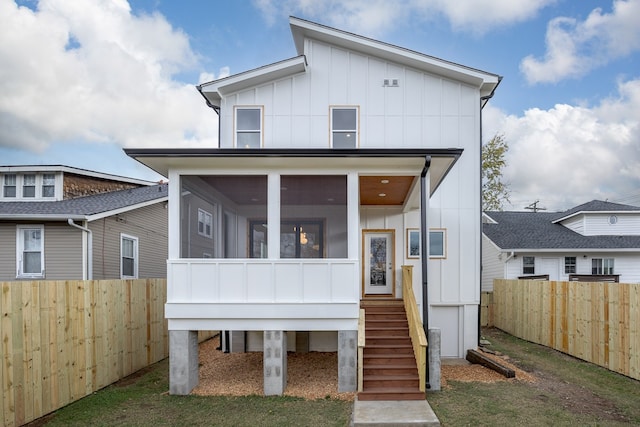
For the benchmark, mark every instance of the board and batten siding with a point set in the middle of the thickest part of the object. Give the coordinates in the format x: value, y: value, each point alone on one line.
x: 149, y: 225
x: 425, y: 110
x: 62, y: 251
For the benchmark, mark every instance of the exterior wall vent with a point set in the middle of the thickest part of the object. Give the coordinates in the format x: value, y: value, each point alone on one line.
x: 390, y: 83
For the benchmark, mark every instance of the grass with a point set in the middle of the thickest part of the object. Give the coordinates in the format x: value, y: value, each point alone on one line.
x: 568, y: 392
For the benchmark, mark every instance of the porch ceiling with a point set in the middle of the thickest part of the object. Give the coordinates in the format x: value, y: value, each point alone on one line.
x: 400, y: 167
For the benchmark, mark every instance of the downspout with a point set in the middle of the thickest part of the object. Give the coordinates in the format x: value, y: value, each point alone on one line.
x: 482, y: 99
x: 89, y: 247
x: 423, y: 251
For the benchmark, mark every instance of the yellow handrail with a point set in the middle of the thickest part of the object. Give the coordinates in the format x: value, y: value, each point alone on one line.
x: 361, y: 341
x: 416, y: 330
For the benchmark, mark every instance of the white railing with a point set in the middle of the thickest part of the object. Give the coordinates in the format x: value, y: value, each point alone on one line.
x: 243, y: 293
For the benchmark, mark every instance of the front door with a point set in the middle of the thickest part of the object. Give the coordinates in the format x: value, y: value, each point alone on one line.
x: 378, y: 262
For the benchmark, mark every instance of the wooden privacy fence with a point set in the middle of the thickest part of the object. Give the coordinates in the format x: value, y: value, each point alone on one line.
x: 63, y: 340
x: 597, y: 322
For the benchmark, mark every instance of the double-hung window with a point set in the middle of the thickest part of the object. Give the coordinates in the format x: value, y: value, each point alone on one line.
x: 30, y: 251
x: 528, y: 265
x: 29, y: 185
x: 128, y: 257
x: 602, y: 266
x: 569, y: 265
x: 248, y: 127
x: 9, y: 186
x: 205, y: 222
x: 48, y: 185
x: 344, y: 127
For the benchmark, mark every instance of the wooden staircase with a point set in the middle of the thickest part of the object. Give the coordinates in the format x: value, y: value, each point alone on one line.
x: 389, y: 365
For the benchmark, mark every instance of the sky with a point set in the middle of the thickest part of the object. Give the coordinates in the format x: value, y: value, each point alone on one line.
x: 81, y: 80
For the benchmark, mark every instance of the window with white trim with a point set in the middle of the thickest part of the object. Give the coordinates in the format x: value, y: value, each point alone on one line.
x: 602, y: 266
x: 29, y: 185
x: 205, y: 223
x: 30, y: 251
x: 248, y: 122
x: 528, y: 265
x: 48, y: 185
x: 128, y: 257
x: 9, y: 186
x: 437, y: 243
x: 344, y: 127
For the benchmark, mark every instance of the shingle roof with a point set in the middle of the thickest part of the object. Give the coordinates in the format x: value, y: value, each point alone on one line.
x: 537, y: 230
x: 84, y: 206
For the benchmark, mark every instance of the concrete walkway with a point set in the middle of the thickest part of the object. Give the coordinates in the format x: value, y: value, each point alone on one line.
x: 384, y: 413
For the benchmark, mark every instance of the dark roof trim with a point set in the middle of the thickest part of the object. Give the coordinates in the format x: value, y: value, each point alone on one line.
x: 291, y: 152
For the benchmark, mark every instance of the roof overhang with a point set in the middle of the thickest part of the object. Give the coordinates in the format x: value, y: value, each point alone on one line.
x: 484, y: 81
x: 363, y: 161
x: 214, y: 91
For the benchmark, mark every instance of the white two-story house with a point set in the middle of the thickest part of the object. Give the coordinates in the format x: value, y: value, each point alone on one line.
x: 334, y: 168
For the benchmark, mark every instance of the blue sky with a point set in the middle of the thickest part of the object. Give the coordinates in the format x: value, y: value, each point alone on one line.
x: 82, y: 80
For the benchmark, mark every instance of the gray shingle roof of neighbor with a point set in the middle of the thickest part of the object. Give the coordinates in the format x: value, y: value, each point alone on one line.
x: 537, y: 230
x: 85, y: 206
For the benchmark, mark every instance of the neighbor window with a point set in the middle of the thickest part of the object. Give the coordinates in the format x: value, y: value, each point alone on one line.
x: 248, y: 127
x: 29, y: 185
x: 48, y: 185
x: 129, y: 257
x: 344, y: 127
x: 528, y: 265
x: 602, y: 266
x: 9, y: 188
x: 30, y: 256
x: 205, y: 221
x: 437, y: 244
x: 569, y: 265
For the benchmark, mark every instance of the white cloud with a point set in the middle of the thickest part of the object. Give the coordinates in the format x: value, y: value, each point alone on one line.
x: 375, y: 17
x: 95, y: 72
x: 576, y: 47
x: 569, y: 155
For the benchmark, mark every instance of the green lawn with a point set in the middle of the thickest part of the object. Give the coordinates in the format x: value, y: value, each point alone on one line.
x: 568, y: 392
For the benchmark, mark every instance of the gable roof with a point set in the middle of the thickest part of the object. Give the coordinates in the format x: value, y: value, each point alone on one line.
x: 301, y: 29
x: 596, y: 206
x: 542, y: 231
x: 85, y: 208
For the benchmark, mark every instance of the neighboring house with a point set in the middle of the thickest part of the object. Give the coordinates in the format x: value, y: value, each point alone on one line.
x: 328, y: 163
x: 594, y: 241
x: 63, y: 223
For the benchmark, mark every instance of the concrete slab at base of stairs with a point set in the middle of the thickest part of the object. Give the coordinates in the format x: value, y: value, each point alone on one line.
x: 384, y: 413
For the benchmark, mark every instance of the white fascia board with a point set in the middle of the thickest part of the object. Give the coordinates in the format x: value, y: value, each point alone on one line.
x: 570, y: 250
x: 302, y: 29
x: 73, y: 170
x: 215, y: 90
x: 585, y: 213
x: 109, y: 213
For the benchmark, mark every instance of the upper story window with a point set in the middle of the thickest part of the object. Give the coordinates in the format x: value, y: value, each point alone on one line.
x: 344, y: 127
x: 29, y: 185
x: 9, y: 186
x: 48, y: 185
x: 528, y: 265
x: 248, y: 122
x: 30, y: 251
x: 602, y: 266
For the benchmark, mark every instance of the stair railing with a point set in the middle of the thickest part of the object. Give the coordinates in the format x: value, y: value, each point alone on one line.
x: 361, y: 341
x: 416, y: 330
